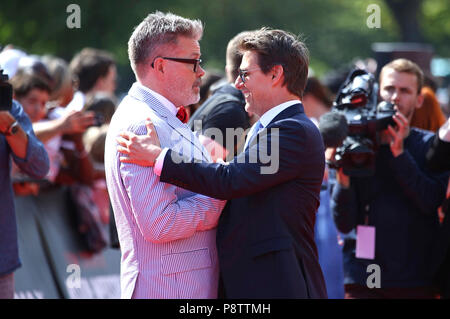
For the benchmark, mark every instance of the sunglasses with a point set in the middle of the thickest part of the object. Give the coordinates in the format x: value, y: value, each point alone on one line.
x: 244, y: 73
x: 195, y: 62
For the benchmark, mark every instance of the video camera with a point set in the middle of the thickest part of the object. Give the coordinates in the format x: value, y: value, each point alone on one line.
x: 6, y: 92
x: 356, y: 117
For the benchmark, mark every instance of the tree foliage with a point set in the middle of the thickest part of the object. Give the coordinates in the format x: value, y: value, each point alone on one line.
x: 335, y: 31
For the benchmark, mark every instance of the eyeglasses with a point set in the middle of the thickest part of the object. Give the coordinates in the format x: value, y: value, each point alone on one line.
x: 195, y: 62
x: 244, y: 73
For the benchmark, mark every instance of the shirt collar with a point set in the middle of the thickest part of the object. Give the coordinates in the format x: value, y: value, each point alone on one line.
x: 267, y: 117
x: 167, y: 104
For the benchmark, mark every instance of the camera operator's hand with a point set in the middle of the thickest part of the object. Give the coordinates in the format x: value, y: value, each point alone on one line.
x: 342, y: 179
x: 395, y: 136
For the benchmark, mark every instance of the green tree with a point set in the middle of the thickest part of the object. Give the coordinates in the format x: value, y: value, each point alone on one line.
x: 335, y: 31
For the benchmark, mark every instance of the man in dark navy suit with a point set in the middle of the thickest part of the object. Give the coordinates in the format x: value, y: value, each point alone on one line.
x: 265, y: 236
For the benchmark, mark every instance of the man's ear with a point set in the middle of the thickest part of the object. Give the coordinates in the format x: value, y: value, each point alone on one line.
x: 277, y: 74
x: 158, y: 65
x: 420, y: 99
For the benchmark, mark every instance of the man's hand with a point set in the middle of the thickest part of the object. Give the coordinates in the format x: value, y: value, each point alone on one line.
x: 77, y: 122
x: 19, y: 141
x: 141, y: 149
x: 218, y: 152
x: 26, y: 188
x: 396, y: 135
x: 342, y: 179
x: 6, y: 119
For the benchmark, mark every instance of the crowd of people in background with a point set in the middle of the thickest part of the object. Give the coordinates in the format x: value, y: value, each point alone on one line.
x: 70, y: 106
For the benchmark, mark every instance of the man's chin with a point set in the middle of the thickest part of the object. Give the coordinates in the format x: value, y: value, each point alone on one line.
x: 195, y: 98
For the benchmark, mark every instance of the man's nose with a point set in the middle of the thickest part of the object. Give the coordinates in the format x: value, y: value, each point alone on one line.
x: 200, y: 71
x: 394, y: 96
x: 238, y: 83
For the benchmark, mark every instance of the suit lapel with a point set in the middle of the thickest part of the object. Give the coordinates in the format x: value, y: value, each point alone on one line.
x: 181, y: 128
x: 289, y: 112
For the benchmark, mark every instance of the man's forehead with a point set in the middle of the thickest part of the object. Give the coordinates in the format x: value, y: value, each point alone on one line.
x: 187, y: 46
x: 248, y: 59
x: 396, y: 78
x: 37, y: 92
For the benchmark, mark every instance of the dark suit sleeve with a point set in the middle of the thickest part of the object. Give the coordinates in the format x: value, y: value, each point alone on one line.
x: 438, y: 156
x: 426, y: 191
x: 344, y: 208
x: 284, y: 152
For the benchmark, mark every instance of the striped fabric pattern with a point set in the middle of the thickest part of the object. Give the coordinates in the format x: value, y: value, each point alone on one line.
x: 167, y: 234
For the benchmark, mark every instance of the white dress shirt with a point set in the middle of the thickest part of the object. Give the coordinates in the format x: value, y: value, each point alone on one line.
x: 267, y: 117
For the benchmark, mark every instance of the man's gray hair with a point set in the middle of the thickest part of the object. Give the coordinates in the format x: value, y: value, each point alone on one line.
x: 157, y: 30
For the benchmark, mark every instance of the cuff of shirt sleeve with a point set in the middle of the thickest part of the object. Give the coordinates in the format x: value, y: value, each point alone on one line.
x: 160, y: 162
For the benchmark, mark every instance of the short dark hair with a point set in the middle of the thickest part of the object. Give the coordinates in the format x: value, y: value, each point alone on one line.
x: 406, y: 66
x: 319, y: 91
x: 233, y: 55
x: 59, y: 70
x: 23, y: 82
x: 89, y: 65
x: 278, y: 47
x: 101, y: 103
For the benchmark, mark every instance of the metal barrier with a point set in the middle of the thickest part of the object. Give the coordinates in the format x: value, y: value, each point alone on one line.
x: 55, y: 263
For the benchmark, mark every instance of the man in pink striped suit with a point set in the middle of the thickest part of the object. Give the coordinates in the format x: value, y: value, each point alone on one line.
x: 167, y: 234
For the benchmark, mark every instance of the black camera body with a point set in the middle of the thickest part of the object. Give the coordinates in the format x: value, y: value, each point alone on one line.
x: 357, y: 101
x: 6, y: 92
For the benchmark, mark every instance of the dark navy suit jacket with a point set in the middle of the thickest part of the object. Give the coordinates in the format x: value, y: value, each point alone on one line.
x: 265, y: 237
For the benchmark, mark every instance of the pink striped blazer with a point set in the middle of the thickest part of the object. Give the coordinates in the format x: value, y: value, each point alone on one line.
x: 167, y: 234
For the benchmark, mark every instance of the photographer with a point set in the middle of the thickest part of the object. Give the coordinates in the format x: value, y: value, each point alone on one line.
x: 439, y: 155
x: 390, y: 218
x: 438, y: 160
x: 17, y: 141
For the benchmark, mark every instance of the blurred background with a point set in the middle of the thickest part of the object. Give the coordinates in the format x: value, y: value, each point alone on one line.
x: 336, y: 32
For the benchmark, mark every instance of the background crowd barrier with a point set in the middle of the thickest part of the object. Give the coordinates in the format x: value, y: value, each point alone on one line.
x: 55, y: 262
